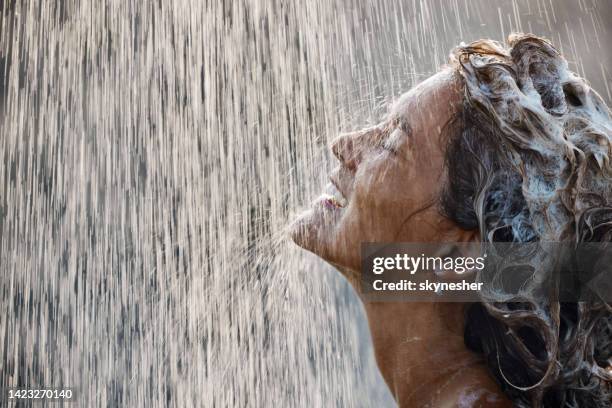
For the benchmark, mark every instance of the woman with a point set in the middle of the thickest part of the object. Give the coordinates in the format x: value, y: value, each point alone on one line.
x: 506, y: 144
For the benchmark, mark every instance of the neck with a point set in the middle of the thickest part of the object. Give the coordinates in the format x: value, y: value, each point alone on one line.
x: 421, y: 354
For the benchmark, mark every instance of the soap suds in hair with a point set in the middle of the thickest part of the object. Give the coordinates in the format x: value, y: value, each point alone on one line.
x: 529, y: 161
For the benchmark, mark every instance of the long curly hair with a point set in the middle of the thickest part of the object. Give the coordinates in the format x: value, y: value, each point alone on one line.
x: 529, y: 161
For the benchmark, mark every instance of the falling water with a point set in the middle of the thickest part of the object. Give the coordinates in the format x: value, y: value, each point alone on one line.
x: 152, y: 154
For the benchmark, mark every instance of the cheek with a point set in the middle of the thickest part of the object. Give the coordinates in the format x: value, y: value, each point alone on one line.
x: 382, y: 195
x: 374, y: 183
x: 389, y: 191
x: 387, y: 183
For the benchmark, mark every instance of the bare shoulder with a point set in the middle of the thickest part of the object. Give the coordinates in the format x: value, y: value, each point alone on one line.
x: 470, y: 387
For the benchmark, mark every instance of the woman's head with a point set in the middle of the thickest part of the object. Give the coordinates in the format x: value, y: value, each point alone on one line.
x: 506, y: 144
x: 389, y: 179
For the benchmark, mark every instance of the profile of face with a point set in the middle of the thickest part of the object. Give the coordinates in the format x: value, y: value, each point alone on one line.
x: 389, y: 179
x: 392, y: 184
x: 387, y: 188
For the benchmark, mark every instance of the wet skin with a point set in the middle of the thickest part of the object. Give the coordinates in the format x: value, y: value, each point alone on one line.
x: 386, y: 189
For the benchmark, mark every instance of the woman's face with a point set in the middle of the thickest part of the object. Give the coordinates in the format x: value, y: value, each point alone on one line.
x: 387, y: 184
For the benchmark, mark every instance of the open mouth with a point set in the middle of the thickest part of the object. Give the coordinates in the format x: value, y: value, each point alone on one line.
x: 333, y: 198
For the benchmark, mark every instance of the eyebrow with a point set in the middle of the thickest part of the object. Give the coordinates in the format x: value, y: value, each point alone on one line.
x: 397, y: 121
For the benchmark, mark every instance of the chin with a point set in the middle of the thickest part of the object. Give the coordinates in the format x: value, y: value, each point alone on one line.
x: 302, y: 230
x: 311, y: 232
x: 316, y: 229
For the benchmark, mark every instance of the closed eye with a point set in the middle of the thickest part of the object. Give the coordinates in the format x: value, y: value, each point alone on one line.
x: 393, y: 141
x: 386, y: 143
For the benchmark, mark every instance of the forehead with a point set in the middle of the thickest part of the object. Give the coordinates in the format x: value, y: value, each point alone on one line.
x: 435, y: 99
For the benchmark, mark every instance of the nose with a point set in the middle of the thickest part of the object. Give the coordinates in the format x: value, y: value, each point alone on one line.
x: 344, y: 149
x: 349, y: 147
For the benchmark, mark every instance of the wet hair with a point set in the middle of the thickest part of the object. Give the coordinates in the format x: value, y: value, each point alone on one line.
x: 529, y: 161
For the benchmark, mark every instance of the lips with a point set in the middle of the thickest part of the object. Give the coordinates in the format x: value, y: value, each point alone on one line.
x: 315, y: 228
x: 333, y: 198
x: 337, y: 192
